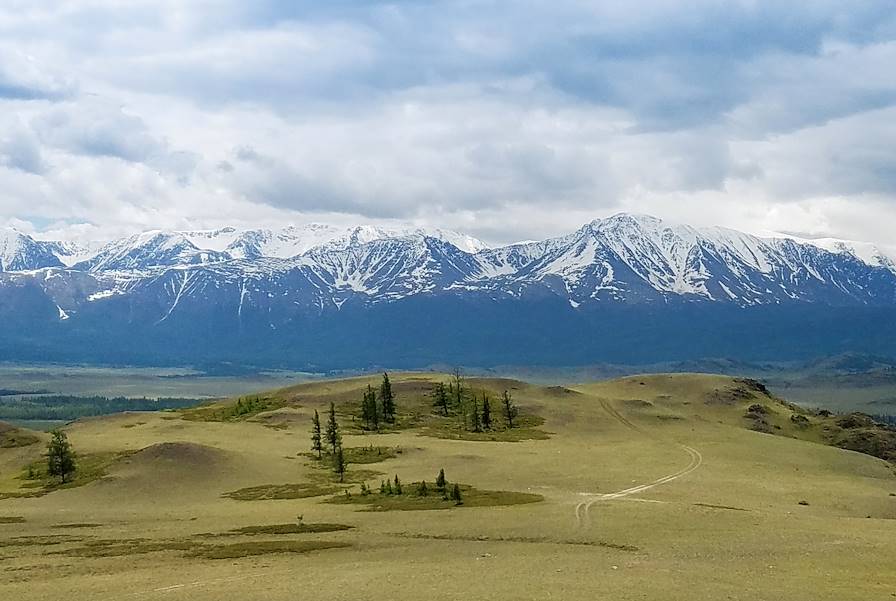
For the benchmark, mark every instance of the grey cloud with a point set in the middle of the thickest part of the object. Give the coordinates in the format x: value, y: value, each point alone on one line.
x: 97, y: 128
x: 470, y: 113
x: 20, y: 150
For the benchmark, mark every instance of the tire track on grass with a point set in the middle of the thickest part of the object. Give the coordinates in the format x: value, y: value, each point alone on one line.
x: 696, y: 460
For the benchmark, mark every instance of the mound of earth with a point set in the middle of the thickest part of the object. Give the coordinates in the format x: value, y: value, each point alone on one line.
x: 11, y: 436
x: 170, y: 470
x: 182, y: 455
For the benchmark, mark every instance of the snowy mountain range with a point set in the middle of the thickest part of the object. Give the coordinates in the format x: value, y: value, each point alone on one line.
x: 315, y: 281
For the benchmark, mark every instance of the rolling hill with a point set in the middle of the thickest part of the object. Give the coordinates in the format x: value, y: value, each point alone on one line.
x: 656, y: 486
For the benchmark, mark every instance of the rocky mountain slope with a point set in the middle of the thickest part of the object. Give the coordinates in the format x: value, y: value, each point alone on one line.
x: 254, y: 283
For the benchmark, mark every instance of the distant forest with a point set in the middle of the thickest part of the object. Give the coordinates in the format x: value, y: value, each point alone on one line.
x: 69, y: 407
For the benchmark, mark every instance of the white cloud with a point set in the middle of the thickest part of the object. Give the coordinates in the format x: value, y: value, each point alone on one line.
x: 506, y: 123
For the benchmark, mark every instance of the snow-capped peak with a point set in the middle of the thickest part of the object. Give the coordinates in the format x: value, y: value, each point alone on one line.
x: 147, y: 250
x: 21, y: 252
x: 867, y: 252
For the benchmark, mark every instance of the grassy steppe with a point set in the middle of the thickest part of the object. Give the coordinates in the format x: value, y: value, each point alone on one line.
x: 770, y: 514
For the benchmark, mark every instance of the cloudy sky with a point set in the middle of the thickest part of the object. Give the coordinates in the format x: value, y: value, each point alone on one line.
x: 506, y: 120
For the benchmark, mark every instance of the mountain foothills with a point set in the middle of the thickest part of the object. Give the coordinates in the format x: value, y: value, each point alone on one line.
x: 626, y: 288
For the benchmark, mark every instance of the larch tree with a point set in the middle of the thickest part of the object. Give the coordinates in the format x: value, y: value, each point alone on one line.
x: 458, y: 388
x: 440, y: 398
x: 334, y: 439
x: 388, y: 399
x: 60, y: 457
x: 509, y: 409
x: 339, y: 462
x: 316, y: 441
x: 475, y: 423
x: 486, y: 413
x: 455, y: 495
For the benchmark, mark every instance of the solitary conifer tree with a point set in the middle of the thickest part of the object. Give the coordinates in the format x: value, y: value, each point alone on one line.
x: 475, y: 423
x: 486, y: 413
x: 422, y: 491
x: 339, y: 462
x: 397, y: 488
x: 458, y: 388
x: 316, y: 444
x: 388, y: 399
x: 333, y: 437
x: 388, y: 487
x: 382, y: 487
x: 440, y: 480
x: 509, y: 409
x: 455, y: 495
x: 60, y: 457
x: 440, y: 398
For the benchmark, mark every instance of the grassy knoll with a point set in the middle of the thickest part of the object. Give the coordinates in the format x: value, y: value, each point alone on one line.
x: 35, y: 481
x: 11, y: 437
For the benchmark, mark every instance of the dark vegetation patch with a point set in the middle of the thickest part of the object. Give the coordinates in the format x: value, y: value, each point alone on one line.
x: 11, y: 519
x: 39, y: 541
x: 279, y: 529
x: 730, y: 395
x: 518, y: 539
x: 249, y: 549
x: 319, y: 482
x: 728, y: 507
x: 411, y: 500
x: 754, y: 385
x: 239, y: 409
x: 90, y: 467
x: 526, y: 427
x: 637, y: 404
x: 11, y: 437
x: 68, y: 407
x: 875, y: 440
x: 800, y: 421
x: 362, y: 455
x: 192, y: 548
x: 127, y: 547
x: 271, y: 492
x: 78, y: 525
x: 561, y: 391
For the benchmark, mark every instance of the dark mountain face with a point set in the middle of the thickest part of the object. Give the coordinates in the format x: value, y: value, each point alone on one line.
x: 625, y: 289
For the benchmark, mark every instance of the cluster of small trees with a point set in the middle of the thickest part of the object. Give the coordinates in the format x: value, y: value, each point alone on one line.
x: 456, y: 399
x: 378, y: 408
x: 331, y: 437
x: 442, y: 487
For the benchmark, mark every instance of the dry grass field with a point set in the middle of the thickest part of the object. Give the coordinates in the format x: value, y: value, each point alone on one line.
x: 648, y: 487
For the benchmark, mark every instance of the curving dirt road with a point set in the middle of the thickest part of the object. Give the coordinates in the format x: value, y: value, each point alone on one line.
x: 582, y: 509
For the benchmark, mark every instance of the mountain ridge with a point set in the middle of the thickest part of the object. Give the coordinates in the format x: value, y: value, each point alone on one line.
x: 161, y: 286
